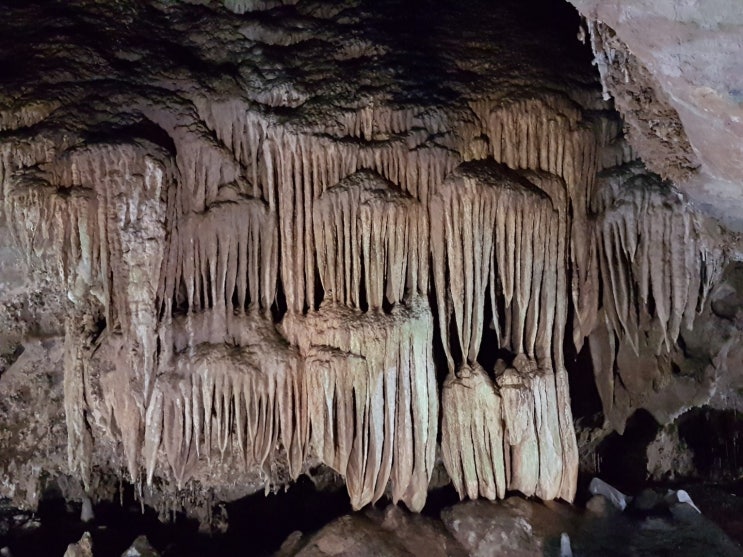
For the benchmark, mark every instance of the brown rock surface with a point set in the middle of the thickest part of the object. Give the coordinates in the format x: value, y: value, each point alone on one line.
x: 690, y: 54
x: 239, y: 239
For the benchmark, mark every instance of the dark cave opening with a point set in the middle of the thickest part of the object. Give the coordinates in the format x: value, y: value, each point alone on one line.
x: 714, y: 438
x: 623, y: 458
x: 258, y: 523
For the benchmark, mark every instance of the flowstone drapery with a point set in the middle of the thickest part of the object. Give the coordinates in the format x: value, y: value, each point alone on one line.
x: 498, y: 241
x: 288, y: 252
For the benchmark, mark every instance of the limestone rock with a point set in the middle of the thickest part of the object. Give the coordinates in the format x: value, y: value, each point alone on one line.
x: 392, y: 532
x: 689, y: 54
x: 140, y: 548
x: 511, y: 527
x: 613, y: 495
x: 83, y: 548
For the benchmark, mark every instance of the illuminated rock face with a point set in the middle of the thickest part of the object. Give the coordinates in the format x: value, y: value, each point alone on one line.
x: 260, y: 258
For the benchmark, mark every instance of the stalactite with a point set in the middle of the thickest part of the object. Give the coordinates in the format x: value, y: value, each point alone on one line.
x: 494, y: 232
x: 650, y: 251
x: 552, y: 134
x: 226, y: 257
x: 497, y: 233
x: 196, y: 245
x: 79, y: 438
x: 367, y: 236
x: 290, y: 172
x: 124, y: 404
x: 217, y: 401
x: 371, y: 373
x: 96, y: 217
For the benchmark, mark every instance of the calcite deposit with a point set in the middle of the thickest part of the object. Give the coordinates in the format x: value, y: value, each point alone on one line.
x: 263, y: 236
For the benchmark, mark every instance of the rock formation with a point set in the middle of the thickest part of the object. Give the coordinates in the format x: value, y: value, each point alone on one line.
x: 278, y: 234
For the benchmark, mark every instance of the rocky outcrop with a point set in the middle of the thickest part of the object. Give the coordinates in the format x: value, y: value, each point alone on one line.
x: 675, y: 73
x: 526, y: 528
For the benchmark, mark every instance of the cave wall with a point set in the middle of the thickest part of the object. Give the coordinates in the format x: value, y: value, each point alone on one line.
x: 687, y: 54
x: 330, y: 242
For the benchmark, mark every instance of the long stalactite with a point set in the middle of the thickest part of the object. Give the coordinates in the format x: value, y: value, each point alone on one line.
x: 257, y: 283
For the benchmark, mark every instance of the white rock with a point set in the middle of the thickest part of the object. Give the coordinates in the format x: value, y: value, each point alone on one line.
x: 600, y: 487
x: 681, y: 496
x: 83, y: 548
x: 565, y: 549
x: 86, y: 514
x: 141, y: 548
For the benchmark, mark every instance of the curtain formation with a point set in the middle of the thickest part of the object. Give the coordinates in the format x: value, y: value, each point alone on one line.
x: 264, y: 294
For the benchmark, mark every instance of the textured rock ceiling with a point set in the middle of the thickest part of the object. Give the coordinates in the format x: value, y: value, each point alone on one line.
x: 243, y: 239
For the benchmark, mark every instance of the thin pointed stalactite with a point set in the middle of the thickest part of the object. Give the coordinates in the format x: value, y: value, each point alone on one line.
x: 655, y: 271
x: 650, y: 250
x: 223, y: 401
x: 366, y: 231
x: 226, y: 258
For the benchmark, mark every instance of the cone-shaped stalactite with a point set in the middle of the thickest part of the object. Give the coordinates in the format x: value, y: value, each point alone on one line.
x: 498, y: 239
x: 369, y: 376
x: 225, y: 258
x: 236, y: 401
x: 367, y: 241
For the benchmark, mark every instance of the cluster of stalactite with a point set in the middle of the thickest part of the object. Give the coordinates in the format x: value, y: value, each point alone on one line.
x: 264, y: 289
x: 655, y: 272
x: 372, y: 399
x: 499, y: 243
x: 95, y: 220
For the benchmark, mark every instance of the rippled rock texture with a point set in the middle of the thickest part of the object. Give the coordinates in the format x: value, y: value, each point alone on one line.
x: 242, y: 239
